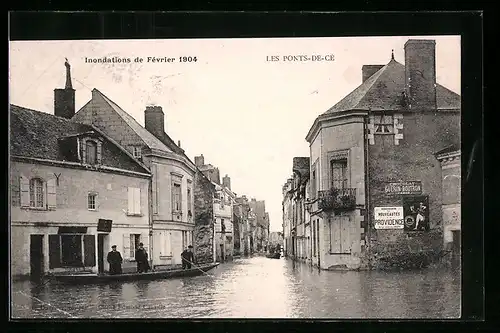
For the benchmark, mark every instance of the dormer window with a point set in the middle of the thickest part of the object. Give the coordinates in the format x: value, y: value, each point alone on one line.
x: 137, y: 151
x: 91, y: 152
x: 384, y: 124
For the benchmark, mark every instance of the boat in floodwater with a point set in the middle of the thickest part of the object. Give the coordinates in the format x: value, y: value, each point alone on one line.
x: 92, y: 278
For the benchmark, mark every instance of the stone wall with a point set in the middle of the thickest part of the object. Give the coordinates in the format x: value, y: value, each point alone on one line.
x: 203, y: 217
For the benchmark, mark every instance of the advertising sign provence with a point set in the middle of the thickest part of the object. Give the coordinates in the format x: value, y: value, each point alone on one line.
x: 389, y: 218
x: 411, y: 187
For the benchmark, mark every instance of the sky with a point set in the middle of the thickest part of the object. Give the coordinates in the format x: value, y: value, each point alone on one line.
x: 246, y: 115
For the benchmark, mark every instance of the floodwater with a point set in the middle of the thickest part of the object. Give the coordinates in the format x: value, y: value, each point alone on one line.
x: 255, y: 287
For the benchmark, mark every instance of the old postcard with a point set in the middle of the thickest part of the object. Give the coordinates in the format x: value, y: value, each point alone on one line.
x: 236, y: 178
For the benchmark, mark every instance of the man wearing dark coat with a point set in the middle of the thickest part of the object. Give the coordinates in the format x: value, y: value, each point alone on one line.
x: 141, y: 257
x: 187, y: 257
x: 115, y: 261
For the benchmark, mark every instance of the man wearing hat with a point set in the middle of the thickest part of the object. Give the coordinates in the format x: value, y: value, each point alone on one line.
x: 187, y: 257
x: 141, y: 257
x: 115, y: 261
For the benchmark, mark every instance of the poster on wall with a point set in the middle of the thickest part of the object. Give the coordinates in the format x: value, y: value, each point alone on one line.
x: 389, y: 217
x: 416, y: 213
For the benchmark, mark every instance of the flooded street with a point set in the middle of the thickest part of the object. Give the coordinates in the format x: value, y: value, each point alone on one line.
x: 252, y: 288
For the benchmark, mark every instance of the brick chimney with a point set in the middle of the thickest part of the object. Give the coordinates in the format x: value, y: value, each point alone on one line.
x: 199, y: 160
x: 154, y: 120
x: 420, y: 74
x: 369, y: 70
x: 226, y: 181
x: 64, y: 99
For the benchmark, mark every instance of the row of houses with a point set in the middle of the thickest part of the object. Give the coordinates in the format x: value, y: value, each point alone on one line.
x: 382, y: 181
x: 82, y: 181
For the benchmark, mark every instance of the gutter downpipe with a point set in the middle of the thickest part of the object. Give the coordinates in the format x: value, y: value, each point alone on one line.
x: 367, y: 193
x: 150, y: 199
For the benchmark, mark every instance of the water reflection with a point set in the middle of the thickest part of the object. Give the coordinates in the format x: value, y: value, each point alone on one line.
x: 253, y: 288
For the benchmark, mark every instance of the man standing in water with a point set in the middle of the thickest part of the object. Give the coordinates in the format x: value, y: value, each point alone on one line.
x: 115, y: 261
x: 187, y: 257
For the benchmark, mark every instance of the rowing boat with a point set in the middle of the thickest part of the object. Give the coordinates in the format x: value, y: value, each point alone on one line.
x: 92, y: 278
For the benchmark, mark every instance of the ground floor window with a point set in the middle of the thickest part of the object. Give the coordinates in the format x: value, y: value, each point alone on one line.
x: 71, y: 250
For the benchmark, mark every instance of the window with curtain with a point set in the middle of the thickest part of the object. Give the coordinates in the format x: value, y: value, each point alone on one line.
x: 338, y: 174
x: 36, y: 193
x: 176, y: 198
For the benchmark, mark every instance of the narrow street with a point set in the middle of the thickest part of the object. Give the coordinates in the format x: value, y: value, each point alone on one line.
x: 255, y: 287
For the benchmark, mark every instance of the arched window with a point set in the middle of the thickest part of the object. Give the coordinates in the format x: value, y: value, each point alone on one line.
x: 36, y: 193
x: 91, y: 152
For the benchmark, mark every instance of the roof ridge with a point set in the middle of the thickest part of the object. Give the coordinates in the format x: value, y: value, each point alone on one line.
x: 45, y: 114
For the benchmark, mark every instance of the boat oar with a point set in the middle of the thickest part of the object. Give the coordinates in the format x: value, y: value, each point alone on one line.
x: 197, y: 267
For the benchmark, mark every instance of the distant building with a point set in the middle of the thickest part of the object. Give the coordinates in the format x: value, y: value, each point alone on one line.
x: 296, y: 195
x: 289, y: 249
x: 75, y: 192
x: 375, y: 183
x: 261, y: 230
x: 450, y: 161
x: 276, y: 237
x: 247, y: 223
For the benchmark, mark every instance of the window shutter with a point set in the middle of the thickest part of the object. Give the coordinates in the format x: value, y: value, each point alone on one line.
x: 54, y: 251
x: 130, y: 200
x: 51, y: 193
x: 137, y: 200
x: 346, y: 241
x: 89, y: 250
x: 99, y: 152
x: 126, y: 246
x: 25, y: 191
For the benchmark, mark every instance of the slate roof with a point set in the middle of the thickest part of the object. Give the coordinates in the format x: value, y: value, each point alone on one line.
x: 35, y: 134
x: 450, y: 149
x: 383, y: 91
x: 150, y: 140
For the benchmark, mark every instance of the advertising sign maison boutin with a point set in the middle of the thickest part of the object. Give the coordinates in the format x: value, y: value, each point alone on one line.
x: 399, y: 188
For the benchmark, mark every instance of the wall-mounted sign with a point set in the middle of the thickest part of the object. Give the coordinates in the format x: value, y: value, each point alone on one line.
x: 416, y: 210
x: 389, y: 217
x: 104, y: 225
x: 411, y: 187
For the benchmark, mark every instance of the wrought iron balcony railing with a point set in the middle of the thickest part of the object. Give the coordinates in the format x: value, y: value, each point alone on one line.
x: 337, y: 199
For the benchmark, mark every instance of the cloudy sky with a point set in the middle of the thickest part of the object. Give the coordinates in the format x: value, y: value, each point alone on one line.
x: 248, y: 116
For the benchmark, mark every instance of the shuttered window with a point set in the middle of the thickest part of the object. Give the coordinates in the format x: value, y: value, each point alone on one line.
x: 36, y: 193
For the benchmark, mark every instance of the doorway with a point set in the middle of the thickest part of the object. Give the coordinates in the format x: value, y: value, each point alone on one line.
x: 36, y: 256
x: 101, y: 245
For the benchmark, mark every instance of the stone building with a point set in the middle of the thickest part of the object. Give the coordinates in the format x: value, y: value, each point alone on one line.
x: 296, y: 197
x: 222, y: 210
x: 375, y: 183
x: 450, y: 161
x: 261, y: 230
x: 289, y: 250
x: 74, y: 192
x: 246, y: 225
x: 174, y: 174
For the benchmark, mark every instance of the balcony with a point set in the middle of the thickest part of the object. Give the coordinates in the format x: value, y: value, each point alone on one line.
x: 337, y: 199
